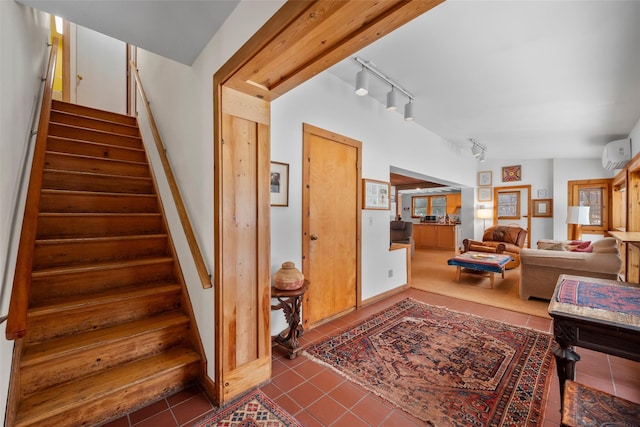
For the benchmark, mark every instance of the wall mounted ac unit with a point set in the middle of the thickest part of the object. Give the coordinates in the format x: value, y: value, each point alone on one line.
x: 616, y: 154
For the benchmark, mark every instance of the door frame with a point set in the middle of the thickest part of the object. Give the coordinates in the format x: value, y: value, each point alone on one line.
x: 308, y: 130
x: 299, y: 41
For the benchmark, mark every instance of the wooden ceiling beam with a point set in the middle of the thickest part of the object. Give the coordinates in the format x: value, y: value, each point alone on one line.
x: 304, y: 38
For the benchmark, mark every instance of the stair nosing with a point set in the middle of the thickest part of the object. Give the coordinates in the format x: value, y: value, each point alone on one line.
x: 98, y: 214
x: 101, y: 298
x: 85, y: 107
x: 59, y: 347
x: 98, y: 193
x: 90, y: 394
x: 104, y: 239
x: 97, y: 266
x: 68, y: 113
x: 100, y: 131
x: 88, y: 157
x: 146, y: 178
x: 102, y: 144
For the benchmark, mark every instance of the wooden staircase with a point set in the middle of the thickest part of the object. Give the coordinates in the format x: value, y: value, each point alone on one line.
x: 109, y: 324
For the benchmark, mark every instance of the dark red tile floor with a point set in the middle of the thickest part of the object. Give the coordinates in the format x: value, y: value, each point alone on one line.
x: 317, y: 396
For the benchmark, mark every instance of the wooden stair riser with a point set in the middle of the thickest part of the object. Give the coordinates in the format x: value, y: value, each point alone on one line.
x: 96, y: 225
x: 68, y: 366
x: 78, y: 181
x: 71, y: 132
x: 54, y: 323
x: 106, y: 396
x: 94, y: 149
x: 66, y: 201
x: 92, y: 123
x: 60, y: 252
x: 82, y: 110
x: 73, y: 162
x: 61, y: 282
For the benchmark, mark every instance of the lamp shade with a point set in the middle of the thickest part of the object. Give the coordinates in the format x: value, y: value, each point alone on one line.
x: 362, y: 83
x: 408, y: 111
x: 392, y: 100
x: 484, y: 213
x: 578, y: 215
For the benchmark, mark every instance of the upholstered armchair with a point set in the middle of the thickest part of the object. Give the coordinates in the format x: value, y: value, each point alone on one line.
x: 501, y: 239
x: 402, y: 232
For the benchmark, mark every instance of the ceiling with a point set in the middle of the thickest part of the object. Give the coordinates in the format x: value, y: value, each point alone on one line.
x: 525, y: 78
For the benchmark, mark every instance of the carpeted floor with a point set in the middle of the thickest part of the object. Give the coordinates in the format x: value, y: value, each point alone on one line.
x: 430, y: 272
x: 445, y: 367
x: 252, y: 410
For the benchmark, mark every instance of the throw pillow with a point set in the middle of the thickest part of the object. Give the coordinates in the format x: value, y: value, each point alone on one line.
x: 548, y: 245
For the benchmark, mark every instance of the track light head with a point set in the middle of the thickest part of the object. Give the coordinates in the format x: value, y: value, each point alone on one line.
x: 476, y: 150
x: 482, y: 159
x: 362, y: 82
x: 392, y: 100
x: 408, y: 111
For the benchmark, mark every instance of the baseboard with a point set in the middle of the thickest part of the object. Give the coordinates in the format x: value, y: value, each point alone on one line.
x: 384, y: 295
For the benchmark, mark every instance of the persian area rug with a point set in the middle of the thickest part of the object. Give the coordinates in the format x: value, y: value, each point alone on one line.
x: 444, y: 367
x: 253, y: 410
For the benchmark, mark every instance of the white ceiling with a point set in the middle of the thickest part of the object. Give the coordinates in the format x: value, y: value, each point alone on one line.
x: 525, y: 78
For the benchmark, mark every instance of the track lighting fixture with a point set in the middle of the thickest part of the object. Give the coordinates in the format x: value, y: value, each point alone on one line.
x: 362, y: 82
x: 408, y: 112
x: 393, y: 101
x: 478, y: 150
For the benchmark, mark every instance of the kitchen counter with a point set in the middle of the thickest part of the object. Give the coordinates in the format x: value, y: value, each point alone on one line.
x: 435, y: 236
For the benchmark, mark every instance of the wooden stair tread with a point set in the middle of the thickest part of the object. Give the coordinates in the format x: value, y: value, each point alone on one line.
x: 119, y: 295
x: 104, y: 175
x: 95, y: 158
x: 92, y: 112
x: 100, y: 131
x: 101, y: 239
x: 84, y: 193
x: 99, y: 121
x: 65, y: 397
x: 95, y: 143
x: 39, y: 352
x: 106, y: 265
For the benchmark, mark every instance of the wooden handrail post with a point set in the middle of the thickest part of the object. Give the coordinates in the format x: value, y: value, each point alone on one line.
x: 203, y: 273
x: 19, y: 303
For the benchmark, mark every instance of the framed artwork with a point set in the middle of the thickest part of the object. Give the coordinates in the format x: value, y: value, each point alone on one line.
x: 279, y: 184
x: 484, y: 178
x: 485, y: 194
x: 375, y: 194
x: 511, y: 173
x: 542, y: 194
x: 543, y: 207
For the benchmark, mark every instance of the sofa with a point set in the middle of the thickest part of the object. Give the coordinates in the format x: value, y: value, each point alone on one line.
x: 402, y: 232
x: 540, y: 268
x: 505, y: 239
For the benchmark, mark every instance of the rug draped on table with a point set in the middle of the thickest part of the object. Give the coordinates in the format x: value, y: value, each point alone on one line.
x: 253, y: 410
x: 444, y: 367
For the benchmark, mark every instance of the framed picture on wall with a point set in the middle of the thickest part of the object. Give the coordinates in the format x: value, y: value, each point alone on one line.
x: 543, y: 207
x: 484, y: 178
x: 279, y: 184
x: 485, y: 194
x: 511, y: 173
x: 375, y: 194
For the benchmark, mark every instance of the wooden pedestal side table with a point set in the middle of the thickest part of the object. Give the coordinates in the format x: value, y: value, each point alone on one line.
x: 290, y: 302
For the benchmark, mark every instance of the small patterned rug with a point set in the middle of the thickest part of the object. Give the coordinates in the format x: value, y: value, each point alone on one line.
x: 444, y: 367
x: 253, y: 410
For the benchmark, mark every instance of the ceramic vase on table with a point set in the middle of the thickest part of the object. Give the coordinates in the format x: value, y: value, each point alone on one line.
x: 288, y: 278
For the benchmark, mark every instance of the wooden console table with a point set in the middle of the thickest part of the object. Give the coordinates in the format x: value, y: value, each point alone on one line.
x: 583, y: 315
x: 290, y: 302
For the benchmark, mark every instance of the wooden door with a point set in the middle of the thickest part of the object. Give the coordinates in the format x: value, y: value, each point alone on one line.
x: 243, y: 279
x: 331, y: 224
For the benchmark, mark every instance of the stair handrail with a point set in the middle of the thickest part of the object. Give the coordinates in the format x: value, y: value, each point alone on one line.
x: 17, y: 317
x: 201, y: 267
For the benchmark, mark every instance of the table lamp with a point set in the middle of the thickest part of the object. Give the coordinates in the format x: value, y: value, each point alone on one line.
x: 577, y: 216
x: 484, y: 214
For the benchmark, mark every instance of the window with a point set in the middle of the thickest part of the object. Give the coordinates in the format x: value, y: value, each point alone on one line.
x: 509, y: 205
x: 439, y: 205
x: 419, y: 205
x: 595, y: 194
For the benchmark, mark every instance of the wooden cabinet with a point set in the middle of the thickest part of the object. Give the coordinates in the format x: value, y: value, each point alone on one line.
x: 633, y: 263
x: 434, y: 236
x: 454, y: 202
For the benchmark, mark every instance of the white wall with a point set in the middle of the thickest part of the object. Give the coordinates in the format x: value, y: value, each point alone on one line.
x: 24, y: 34
x: 329, y: 103
x: 635, y: 139
x: 181, y: 98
